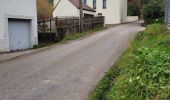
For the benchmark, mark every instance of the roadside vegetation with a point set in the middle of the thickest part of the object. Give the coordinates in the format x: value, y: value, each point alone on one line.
x: 74, y: 36
x: 143, y: 71
x: 71, y: 36
x: 153, y: 11
x: 44, y: 9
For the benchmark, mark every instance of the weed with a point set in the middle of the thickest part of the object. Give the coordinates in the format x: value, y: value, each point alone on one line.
x: 155, y: 29
x: 165, y: 43
x: 143, y: 70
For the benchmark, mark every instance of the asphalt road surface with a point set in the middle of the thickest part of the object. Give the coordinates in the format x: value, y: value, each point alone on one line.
x: 65, y: 71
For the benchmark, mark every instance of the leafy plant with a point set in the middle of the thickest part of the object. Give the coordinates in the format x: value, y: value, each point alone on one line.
x: 147, y: 78
x: 143, y: 70
x: 153, y: 11
x: 132, y: 9
x: 165, y: 43
x: 44, y: 9
x: 155, y: 29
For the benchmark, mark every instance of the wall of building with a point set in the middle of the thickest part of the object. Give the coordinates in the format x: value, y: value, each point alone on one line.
x: 115, y: 12
x: 65, y: 8
x: 123, y: 11
x: 132, y: 18
x: 20, y: 9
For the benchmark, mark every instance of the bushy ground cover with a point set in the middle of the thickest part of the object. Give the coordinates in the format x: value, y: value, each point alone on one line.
x: 143, y: 71
x: 72, y: 36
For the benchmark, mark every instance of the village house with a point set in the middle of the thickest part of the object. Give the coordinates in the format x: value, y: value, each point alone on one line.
x: 114, y: 11
x: 70, y: 8
x: 18, y: 28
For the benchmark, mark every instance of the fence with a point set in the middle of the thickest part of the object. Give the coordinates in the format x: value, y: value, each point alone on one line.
x: 167, y: 12
x: 54, y: 29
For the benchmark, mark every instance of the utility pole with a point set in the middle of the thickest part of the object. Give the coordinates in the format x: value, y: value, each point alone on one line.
x: 81, y: 16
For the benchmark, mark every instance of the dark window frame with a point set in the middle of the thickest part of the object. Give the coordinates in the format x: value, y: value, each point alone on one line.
x: 104, y: 4
x: 85, y: 2
x: 94, y: 4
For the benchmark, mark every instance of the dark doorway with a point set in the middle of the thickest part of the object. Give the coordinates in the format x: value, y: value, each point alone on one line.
x: 88, y: 16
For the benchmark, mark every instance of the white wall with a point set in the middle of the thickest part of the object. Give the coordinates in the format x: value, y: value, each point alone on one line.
x: 115, y: 12
x: 20, y: 9
x: 132, y: 18
x: 65, y: 8
x: 123, y: 11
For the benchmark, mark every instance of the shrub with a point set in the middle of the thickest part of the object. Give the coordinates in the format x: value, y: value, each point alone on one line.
x: 148, y: 79
x: 165, y: 43
x: 152, y: 12
x: 155, y: 29
x: 143, y: 72
x: 132, y: 9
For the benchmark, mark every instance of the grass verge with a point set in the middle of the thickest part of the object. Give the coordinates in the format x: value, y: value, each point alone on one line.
x: 143, y: 71
x: 72, y: 36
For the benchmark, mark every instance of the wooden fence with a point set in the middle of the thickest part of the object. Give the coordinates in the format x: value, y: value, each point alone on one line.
x: 59, y: 27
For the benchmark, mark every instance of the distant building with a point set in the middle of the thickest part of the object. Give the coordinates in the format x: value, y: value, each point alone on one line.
x: 115, y: 11
x: 70, y: 8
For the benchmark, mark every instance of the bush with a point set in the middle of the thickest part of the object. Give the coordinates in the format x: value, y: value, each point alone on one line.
x: 143, y: 72
x: 148, y: 79
x: 165, y: 43
x: 152, y: 12
x: 155, y: 29
x: 132, y: 9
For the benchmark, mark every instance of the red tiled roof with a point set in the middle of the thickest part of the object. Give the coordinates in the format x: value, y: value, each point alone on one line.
x: 85, y: 7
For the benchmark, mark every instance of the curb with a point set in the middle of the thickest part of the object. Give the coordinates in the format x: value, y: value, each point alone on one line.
x: 34, y: 51
x: 24, y: 54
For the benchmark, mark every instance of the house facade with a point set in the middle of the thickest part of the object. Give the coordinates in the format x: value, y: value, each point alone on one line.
x: 115, y: 11
x: 18, y: 27
x: 70, y: 8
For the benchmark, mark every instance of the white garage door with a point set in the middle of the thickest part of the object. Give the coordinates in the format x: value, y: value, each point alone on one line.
x: 19, y: 34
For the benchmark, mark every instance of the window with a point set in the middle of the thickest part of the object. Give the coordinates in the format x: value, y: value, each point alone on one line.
x: 94, y: 4
x: 100, y: 14
x: 85, y: 1
x: 104, y: 4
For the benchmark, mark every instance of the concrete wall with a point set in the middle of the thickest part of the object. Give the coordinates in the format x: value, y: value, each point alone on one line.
x: 20, y: 9
x: 123, y: 8
x: 65, y: 8
x: 132, y: 18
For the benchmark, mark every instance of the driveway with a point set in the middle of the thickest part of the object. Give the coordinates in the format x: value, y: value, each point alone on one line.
x: 66, y: 71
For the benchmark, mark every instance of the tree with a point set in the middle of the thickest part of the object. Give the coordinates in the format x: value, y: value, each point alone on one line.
x: 153, y: 11
x: 44, y: 9
x: 136, y: 6
x: 51, y: 1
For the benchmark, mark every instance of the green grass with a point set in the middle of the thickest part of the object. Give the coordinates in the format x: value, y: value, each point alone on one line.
x: 72, y: 36
x: 43, y: 44
x: 143, y: 71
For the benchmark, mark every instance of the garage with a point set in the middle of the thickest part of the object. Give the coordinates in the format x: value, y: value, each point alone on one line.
x: 18, y: 25
x: 19, y: 34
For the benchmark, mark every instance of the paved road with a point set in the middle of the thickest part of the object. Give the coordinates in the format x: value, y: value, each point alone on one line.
x: 66, y: 71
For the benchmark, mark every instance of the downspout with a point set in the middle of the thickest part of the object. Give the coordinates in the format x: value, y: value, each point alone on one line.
x: 56, y: 5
